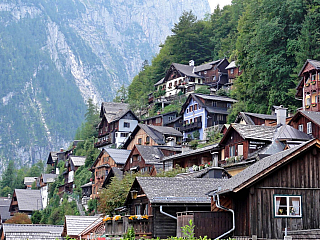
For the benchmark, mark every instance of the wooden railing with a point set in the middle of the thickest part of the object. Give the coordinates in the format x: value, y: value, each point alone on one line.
x: 142, y: 228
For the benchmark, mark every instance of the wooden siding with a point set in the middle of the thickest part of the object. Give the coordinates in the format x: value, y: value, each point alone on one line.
x: 143, y: 135
x: 135, y: 162
x: 189, y: 161
x: 303, y: 120
x: 254, y: 207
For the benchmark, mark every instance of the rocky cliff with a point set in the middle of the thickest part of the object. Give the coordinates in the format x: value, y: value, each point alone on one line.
x: 56, y: 54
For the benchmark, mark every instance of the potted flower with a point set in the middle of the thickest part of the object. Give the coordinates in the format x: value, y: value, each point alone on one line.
x: 132, y: 218
x: 313, y: 82
x: 117, y: 218
x: 201, y: 167
x: 314, y: 104
x: 307, y: 85
x: 107, y: 219
x: 145, y: 218
x: 307, y: 106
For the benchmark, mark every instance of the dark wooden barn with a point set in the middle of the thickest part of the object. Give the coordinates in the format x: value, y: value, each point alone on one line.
x: 280, y: 191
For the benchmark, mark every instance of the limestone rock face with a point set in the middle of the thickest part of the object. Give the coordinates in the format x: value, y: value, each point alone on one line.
x: 56, y: 54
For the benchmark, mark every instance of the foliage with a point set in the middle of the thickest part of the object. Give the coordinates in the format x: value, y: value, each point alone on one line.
x: 196, y: 134
x: 203, y: 90
x: 36, y: 217
x: 19, y: 218
x: 193, y: 144
x: 188, y: 230
x: 92, y: 206
x: 130, y: 234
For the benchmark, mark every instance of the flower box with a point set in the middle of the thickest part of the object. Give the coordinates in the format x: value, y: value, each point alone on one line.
x: 307, y: 106
x: 314, y: 104
x: 307, y: 85
x: 313, y: 82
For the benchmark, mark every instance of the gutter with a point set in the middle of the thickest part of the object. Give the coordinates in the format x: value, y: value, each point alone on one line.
x: 217, y: 201
x: 167, y: 214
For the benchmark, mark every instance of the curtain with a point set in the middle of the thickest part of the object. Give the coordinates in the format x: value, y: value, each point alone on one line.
x: 277, y: 205
x: 296, y: 207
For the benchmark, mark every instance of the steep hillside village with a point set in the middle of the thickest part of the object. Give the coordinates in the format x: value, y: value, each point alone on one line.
x: 255, y: 178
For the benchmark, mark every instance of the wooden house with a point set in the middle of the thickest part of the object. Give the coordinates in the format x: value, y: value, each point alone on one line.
x: 161, y: 199
x: 201, y: 111
x: 144, y: 159
x: 71, y: 165
x: 74, y: 225
x: 28, y: 181
x: 308, y: 89
x: 193, y: 157
x: 94, y: 231
x: 107, y: 159
x: 114, y: 172
x: 25, y: 201
x: 256, y: 119
x: 307, y: 122
x: 234, y: 71
x: 161, y: 119
x: 31, y: 231
x: 276, y: 193
x: 45, y: 180
x: 117, y: 123
x: 150, y: 135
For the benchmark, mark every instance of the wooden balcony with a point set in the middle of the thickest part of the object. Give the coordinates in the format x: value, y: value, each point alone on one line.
x: 102, y: 142
x: 191, y: 126
x: 142, y: 228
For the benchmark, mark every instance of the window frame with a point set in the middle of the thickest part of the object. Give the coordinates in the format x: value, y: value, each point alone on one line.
x: 126, y: 124
x: 300, y: 127
x: 309, y: 127
x: 287, y: 203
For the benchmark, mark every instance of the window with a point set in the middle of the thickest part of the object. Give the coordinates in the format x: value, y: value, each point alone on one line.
x: 175, y: 83
x: 309, y: 128
x: 147, y: 139
x: 229, y: 105
x: 300, y: 127
x: 145, y: 211
x: 231, y: 71
x: 191, y: 120
x: 214, y: 78
x: 313, y: 77
x: 139, y: 158
x: 240, y: 149
x: 287, y: 206
x: 126, y: 125
x: 205, y: 72
x: 158, y: 120
x: 190, y: 108
x: 214, y: 104
x: 139, y: 141
x: 170, y: 118
x: 196, y: 107
x: 187, y: 110
x: 137, y: 209
x: 232, y: 150
x: 124, y: 134
x: 131, y: 160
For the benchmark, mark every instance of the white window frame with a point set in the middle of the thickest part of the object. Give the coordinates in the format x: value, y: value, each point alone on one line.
x: 300, y: 127
x: 309, y: 127
x: 126, y: 124
x: 290, y: 209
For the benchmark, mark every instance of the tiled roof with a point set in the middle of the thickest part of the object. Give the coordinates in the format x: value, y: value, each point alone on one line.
x: 177, y: 190
x: 150, y: 154
x: 77, y: 160
x: 257, y: 132
x: 231, y: 65
x: 191, y: 153
x: 120, y: 156
x: 255, y: 169
x: 32, y: 231
x: 74, y: 225
x: 28, y: 200
x: 49, y: 177
x: 186, y: 70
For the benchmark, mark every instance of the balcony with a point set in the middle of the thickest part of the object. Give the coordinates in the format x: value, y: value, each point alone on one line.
x: 103, y: 141
x: 191, y: 127
x: 142, y: 228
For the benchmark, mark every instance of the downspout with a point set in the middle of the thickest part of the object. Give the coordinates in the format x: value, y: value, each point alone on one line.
x: 167, y: 214
x: 233, y: 217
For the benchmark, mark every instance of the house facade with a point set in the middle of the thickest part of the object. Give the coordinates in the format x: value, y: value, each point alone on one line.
x: 25, y: 201
x: 233, y: 72
x: 44, y: 182
x: 107, y: 159
x: 307, y: 122
x: 201, y: 111
x: 308, y: 89
x: 117, y: 123
x: 161, y: 119
x: 256, y: 119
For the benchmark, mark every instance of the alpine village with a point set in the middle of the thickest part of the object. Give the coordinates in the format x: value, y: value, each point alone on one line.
x: 187, y: 164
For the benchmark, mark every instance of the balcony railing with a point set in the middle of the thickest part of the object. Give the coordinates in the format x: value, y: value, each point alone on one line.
x: 102, y: 142
x: 118, y: 228
x: 191, y: 126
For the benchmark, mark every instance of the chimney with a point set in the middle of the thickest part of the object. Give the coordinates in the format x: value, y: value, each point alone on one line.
x: 9, y: 195
x: 281, y: 113
x: 191, y: 63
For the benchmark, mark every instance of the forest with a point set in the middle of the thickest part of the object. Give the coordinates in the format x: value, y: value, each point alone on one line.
x: 269, y: 39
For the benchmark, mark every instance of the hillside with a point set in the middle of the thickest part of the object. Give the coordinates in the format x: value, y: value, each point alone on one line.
x: 57, y: 54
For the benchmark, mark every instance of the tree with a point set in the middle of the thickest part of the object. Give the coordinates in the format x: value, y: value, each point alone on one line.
x: 203, y: 90
x: 36, y: 217
x: 19, y: 218
x: 8, y: 176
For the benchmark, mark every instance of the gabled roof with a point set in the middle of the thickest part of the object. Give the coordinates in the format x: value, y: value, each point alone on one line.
x: 313, y: 116
x: 287, y: 132
x: 192, y: 152
x: 49, y: 177
x: 186, y: 70
x: 4, y: 208
x: 40, y: 231
x: 246, y: 116
x: 198, y: 96
x: 77, y: 160
x: 118, y: 155
x: 28, y: 200
x: 177, y: 190
x: 208, y: 65
x: 113, y: 110
x: 231, y: 65
x: 159, y: 82
x: 29, y: 180
x: 98, y: 222
x: 114, y: 172
x: 150, y: 154
x: 52, y: 158
x: 254, y: 132
x: 314, y: 63
x: 263, y: 167
x: 74, y: 225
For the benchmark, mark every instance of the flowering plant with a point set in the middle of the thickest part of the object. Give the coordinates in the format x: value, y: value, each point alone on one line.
x: 132, y: 217
x: 145, y: 217
x: 107, y: 218
x: 117, y: 218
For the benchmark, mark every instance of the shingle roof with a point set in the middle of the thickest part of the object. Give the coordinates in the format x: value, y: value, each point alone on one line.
x: 177, y: 190
x: 186, y: 70
x: 120, y: 156
x: 76, y: 224
x: 215, y: 97
x: 49, y: 177
x: 4, y: 208
x: 97, y: 222
x: 150, y: 154
x: 32, y: 231
x: 257, y: 132
x: 159, y: 82
x: 113, y: 111
x: 255, y: 169
x: 28, y: 200
x: 53, y: 157
x: 314, y: 63
x: 77, y: 160
x: 286, y: 132
x: 29, y: 180
x: 157, y: 132
x: 231, y: 65
x: 314, y: 116
x: 192, y: 152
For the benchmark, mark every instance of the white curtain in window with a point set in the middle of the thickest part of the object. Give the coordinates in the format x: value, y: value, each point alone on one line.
x: 295, y: 204
x: 277, y: 205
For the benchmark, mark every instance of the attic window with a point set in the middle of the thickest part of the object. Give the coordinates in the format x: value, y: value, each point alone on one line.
x: 287, y: 206
x: 126, y: 124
